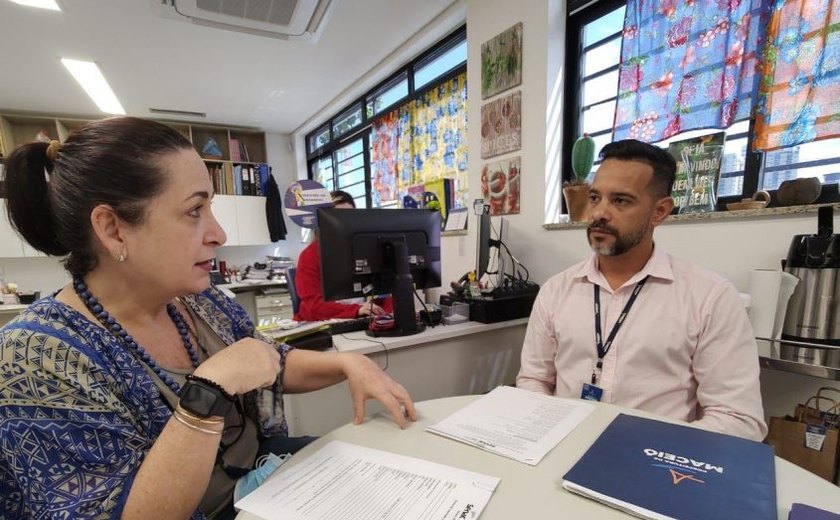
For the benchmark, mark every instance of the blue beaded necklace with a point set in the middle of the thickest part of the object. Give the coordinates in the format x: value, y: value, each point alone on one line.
x: 111, y: 324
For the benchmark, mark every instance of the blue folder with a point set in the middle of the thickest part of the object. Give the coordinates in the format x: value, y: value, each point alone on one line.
x: 655, y: 468
x: 806, y: 512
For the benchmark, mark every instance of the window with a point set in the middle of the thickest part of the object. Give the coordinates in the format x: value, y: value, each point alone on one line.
x: 593, y: 53
x: 319, y: 138
x: 386, y: 96
x: 439, y: 65
x: 347, y: 121
x: 339, y: 151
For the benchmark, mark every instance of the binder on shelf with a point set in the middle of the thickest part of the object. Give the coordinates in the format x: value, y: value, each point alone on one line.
x: 246, y: 180
x: 659, y: 470
x: 237, y: 179
x: 265, y: 171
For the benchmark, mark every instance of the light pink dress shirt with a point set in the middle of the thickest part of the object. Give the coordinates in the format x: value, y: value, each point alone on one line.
x: 685, y: 351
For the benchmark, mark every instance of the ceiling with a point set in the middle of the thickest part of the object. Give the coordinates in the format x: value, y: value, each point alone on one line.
x: 155, y: 61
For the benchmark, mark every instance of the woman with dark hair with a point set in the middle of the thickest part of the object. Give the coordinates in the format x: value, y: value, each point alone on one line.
x: 308, y: 282
x: 138, y: 390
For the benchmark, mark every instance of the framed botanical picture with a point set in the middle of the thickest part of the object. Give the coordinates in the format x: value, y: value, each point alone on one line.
x: 501, y: 62
x: 501, y: 125
x: 500, y: 185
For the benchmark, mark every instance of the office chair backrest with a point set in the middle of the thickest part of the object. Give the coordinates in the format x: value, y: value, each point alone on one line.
x: 290, y: 284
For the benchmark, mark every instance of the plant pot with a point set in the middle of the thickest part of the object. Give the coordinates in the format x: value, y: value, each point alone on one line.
x: 577, y: 197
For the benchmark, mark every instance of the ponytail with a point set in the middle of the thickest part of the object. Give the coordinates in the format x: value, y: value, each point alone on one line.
x: 53, y: 188
x: 28, y: 204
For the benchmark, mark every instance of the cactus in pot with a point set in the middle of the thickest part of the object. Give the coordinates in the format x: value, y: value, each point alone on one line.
x: 576, y: 191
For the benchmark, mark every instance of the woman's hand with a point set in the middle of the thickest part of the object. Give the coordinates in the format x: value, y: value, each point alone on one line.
x: 367, y: 381
x: 244, y: 366
x: 368, y: 309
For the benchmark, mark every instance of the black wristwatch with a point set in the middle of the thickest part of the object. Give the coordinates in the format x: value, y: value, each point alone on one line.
x: 205, y: 398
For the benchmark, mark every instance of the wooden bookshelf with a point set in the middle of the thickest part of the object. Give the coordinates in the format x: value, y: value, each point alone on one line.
x: 20, y: 128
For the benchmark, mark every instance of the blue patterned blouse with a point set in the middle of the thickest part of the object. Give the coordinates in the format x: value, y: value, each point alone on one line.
x: 78, y: 413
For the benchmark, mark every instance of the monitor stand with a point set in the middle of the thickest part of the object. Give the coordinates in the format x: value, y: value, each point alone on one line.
x: 405, y: 319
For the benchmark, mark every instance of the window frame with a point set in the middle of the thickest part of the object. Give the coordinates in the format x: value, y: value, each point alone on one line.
x: 365, y: 128
x: 579, y: 14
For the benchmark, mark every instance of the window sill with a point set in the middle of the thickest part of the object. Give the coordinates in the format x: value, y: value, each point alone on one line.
x: 749, y: 214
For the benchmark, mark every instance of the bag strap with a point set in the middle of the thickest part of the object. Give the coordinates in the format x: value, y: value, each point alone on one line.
x: 804, y: 407
x: 819, y: 395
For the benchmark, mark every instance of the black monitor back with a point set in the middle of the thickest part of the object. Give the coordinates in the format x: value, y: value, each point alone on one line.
x: 356, y: 253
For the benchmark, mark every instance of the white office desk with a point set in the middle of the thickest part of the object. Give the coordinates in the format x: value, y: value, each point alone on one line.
x: 535, y: 491
x: 447, y: 360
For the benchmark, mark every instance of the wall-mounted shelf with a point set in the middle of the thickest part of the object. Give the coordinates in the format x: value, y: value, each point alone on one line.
x: 772, y: 356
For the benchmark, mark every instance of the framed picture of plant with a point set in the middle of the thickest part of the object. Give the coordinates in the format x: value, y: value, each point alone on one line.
x: 501, y: 62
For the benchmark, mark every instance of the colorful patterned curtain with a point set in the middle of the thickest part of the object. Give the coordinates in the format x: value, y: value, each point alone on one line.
x: 433, y: 138
x: 383, y: 160
x: 686, y: 65
x: 799, y: 99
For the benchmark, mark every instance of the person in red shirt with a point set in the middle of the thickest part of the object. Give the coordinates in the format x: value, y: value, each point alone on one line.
x: 308, y: 282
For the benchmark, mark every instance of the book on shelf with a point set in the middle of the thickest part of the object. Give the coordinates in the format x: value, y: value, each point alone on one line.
x: 235, y: 154
x: 657, y: 470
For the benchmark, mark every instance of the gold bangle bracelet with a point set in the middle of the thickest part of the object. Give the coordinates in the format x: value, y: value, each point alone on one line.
x: 196, y: 419
x: 186, y: 423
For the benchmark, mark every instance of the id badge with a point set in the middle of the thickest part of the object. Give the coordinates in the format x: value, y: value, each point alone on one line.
x: 591, y: 392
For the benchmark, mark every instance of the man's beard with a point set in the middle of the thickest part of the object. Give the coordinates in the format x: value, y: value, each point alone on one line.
x: 621, y: 244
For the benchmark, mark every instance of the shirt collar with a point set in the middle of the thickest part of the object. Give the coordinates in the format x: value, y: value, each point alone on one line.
x: 657, y: 266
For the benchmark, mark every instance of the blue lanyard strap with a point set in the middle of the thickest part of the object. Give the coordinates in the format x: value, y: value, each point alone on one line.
x: 602, y: 347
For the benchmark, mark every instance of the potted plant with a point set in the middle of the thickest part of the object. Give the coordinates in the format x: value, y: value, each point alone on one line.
x: 576, y: 191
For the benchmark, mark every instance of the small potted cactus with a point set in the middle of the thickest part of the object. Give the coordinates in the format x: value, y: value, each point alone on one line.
x: 576, y: 191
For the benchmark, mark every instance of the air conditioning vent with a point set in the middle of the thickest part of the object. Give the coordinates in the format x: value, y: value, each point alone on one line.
x: 284, y: 19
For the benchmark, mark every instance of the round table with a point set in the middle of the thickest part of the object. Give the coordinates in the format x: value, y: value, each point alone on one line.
x: 533, y: 491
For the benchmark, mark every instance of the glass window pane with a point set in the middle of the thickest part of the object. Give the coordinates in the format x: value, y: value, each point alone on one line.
x: 602, y: 57
x: 599, y: 117
x: 323, y: 172
x: 357, y: 161
x: 441, y: 65
x: 356, y: 190
x: 815, y: 151
x: 600, y: 88
x: 351, y: 177
x: 347, y: 121
x: 379, y: 101
x: 350, y: 150
x: 602, y: 27
x: 319, y: 139
x: 734, y: 155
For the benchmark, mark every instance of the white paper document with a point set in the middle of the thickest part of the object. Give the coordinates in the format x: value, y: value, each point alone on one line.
x: 518, y: 424
x: 343, y: 481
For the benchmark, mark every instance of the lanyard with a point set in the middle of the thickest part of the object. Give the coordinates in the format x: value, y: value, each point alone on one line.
x: 601, y: 347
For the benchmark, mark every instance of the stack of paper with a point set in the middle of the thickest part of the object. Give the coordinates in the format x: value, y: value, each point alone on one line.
x: 515, y: 423
x: 348, y: 482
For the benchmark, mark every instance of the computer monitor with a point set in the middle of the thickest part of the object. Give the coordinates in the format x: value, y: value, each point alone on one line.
x: 482, y: 246
x: 367, y: 252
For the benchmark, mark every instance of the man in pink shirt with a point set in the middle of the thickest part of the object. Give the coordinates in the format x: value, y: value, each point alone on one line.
x: 665, y: 336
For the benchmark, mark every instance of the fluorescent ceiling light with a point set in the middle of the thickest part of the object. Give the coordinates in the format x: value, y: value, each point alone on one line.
x: 89, y: 76
x: 52, y: 5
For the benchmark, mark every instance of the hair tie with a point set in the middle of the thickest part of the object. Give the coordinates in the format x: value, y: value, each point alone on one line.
x: 52, y: 150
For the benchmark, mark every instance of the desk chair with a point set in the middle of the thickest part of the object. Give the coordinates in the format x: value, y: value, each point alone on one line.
x: 290, y: 284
